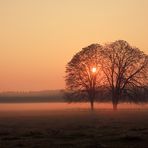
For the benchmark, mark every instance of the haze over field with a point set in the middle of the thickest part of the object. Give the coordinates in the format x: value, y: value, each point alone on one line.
x: 38, y: 37
x: 47, y: 107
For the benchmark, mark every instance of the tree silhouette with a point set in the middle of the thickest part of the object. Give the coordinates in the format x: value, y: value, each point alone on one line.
x: 125, y: 69
x: 83, y: 76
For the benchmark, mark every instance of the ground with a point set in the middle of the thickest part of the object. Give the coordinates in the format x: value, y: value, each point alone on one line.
x: 75, y: 128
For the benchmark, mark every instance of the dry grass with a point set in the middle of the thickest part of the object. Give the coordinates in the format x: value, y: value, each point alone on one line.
x: 74, y: 129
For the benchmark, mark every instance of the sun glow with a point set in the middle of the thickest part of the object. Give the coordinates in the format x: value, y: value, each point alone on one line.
x: 94, y: 69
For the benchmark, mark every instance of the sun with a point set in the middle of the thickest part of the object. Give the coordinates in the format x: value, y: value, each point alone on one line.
x: 94, y: 69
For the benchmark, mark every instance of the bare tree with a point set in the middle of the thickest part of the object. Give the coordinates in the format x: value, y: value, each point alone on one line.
x: 83, y: 75
x: 125, y: 69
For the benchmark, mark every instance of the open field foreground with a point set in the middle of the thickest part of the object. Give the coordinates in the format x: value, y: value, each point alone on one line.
x: 74, y: 128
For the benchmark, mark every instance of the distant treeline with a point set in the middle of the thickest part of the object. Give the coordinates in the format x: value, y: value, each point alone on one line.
x: 102, y: 95
x: 32, y: 96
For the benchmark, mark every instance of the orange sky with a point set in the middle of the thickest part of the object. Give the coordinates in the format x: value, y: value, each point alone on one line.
x: 38, y: 37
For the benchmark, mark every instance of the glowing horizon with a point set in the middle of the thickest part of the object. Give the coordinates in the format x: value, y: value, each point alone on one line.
x: 39, y: 37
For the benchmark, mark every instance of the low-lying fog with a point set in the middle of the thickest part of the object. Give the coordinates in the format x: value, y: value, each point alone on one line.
x: 64, y: 106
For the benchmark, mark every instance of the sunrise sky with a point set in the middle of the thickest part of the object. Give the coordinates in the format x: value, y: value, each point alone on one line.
x: 38, y: 37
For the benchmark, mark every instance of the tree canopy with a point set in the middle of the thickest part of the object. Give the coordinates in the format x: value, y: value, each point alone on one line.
x: 118, y: 67
x: 126, y: 70
x: 83, y: 75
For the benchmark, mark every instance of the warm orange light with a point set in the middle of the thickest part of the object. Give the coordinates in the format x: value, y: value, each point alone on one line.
x: 94, y: 69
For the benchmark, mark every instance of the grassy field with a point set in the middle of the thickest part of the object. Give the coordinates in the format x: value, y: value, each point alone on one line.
x: 74, y: 128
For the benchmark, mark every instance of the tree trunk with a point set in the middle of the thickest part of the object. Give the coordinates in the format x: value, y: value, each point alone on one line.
x: 115, y: 106
x: 91, y: 96
x: 92, y: 105
x: 115, y: 99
